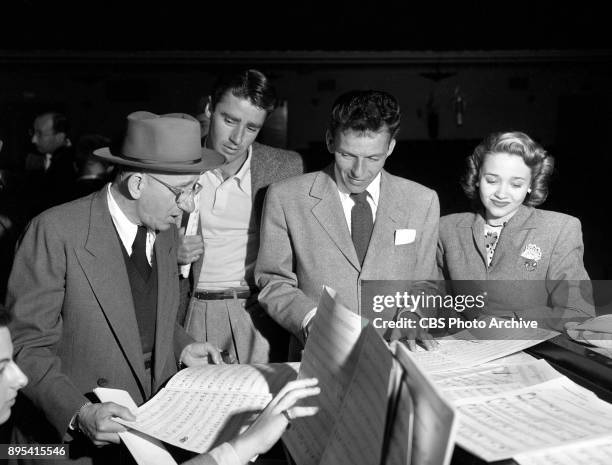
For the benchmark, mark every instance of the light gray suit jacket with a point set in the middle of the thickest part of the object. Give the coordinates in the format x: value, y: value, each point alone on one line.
x: 74, y: 322
x: 305, y: 243
x: 557, y: 280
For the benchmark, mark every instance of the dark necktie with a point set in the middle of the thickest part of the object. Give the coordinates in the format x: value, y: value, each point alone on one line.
x: 139, y: 253
x: 361, y: 224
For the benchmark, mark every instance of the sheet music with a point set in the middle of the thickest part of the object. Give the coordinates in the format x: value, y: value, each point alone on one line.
x: 492, y: 379
x: 553, y: 413
x: 144, y: 449
x: 203, y: 406
x: 593, y: 452
x: 191, y: 230
x: 461, y: 351
x: 197, y: 420
x: 263, y: 378
x: 434, y: 417
x: 358, y: 435
x: 331, y: 354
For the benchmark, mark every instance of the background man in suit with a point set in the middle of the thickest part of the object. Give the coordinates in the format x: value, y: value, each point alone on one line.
x: 350, y: 222
x: 223, y: 308
x: 50, y: 172
x: 94, y: 291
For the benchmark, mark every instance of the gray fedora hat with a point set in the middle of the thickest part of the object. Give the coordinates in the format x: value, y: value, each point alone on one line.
x: 165, y: 143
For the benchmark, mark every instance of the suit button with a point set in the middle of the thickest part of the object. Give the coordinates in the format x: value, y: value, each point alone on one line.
x: 102, y: 382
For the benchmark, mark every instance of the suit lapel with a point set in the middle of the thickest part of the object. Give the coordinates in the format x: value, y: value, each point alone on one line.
x: 104, y: 266
x: 476, y: 238
x: 387, y: 217
x: 258, y: 173
x: 329, y: 213
x: 511, y: 238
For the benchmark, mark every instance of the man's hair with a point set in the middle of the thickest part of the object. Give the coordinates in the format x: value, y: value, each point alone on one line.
x: 251, y: 85
x: 59, y: 121
x: 365, y: 110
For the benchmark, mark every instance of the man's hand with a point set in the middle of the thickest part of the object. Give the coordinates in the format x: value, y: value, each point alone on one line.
x: 200, y: 353
x: 94, y: 421
x: 410, y: 336
x: 272, y: 422
x: 190, y: 248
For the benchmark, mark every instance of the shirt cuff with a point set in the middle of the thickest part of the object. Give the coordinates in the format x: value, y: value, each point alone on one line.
x: 309, y: 316
x: 225, y: 455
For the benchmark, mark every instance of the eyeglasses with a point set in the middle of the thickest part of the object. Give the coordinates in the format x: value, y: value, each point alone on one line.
x: 183, y: 197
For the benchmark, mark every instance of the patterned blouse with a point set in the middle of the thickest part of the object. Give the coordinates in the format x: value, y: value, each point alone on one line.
x: 491, y: 237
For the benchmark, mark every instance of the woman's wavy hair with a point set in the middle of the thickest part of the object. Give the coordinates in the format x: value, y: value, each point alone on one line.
x: 513, y: 143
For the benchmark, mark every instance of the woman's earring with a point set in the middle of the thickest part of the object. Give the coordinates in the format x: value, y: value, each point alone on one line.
x: 529, y: 190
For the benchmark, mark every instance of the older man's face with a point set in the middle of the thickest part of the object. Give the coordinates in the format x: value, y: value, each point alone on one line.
x: 359, y: 157
x: 158, y: 207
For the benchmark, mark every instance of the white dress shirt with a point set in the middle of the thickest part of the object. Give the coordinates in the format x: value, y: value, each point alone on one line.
x: 126, y: 229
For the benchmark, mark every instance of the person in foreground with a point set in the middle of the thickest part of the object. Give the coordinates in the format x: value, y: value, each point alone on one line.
x: 94, y: 292
x: 350, y: 222
x: 257, y: 439
x: 537, y: 253
x: 11, y: 377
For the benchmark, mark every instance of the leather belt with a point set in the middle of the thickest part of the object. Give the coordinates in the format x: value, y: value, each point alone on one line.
x: 224, y: 294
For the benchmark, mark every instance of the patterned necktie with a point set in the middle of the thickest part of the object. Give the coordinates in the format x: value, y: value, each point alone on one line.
x: 139, y: 253
x: 361, y: 224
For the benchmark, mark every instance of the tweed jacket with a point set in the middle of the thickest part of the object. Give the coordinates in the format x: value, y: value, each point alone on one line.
x: 305, y: 243
x: 74, y: 322
x: 538, y: 258
x: 268, y: 165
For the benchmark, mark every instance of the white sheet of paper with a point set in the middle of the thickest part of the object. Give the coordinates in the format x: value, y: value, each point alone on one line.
x: 263, y: 378
x: 191, y: 230
x: 202, y: 407
x: 491, y: 379
x: 434, y: 418
x: 539, y: 417
x: 197, y: 420
x: 461, y: 351
x: 593, y: 452
x: 145, y: 450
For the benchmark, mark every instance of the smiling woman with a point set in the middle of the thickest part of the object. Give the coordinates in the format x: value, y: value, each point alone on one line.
x: 506, y: 238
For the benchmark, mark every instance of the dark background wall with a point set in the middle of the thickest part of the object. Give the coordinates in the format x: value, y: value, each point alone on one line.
x: 539, y: 67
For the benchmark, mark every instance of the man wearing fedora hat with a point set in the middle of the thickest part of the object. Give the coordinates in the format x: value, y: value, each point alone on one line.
x: 94, y: 290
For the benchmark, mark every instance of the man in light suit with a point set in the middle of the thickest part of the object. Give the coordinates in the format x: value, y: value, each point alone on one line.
x: 223, y: 308
x: 352, y: 221
x: 94, y: 291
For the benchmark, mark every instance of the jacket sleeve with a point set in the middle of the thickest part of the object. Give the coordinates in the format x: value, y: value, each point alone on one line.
x: 275, y: 273
x: 567, y: 280
x: 426, y: 274
x: 35, y: 295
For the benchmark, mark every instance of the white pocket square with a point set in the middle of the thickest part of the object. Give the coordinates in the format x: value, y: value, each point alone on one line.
x: 404, y: 236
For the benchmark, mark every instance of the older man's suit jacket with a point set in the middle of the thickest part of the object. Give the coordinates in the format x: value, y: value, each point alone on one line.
x: 305, y: 243
x: 74, y: 320
x: 530, y: 286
